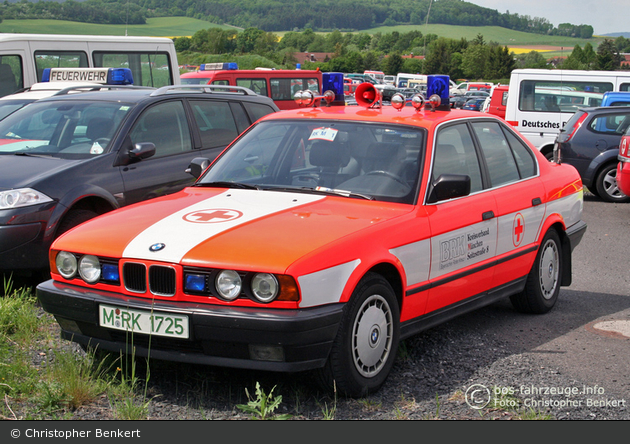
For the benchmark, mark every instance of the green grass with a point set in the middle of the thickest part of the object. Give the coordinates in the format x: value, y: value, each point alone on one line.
x: 155, y: 27
x: 497, y: 34
x: 184, y: 26
x: 60, y: 380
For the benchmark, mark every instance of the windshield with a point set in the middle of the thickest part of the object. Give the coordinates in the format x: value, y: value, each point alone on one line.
x: 354, y: 159
x: 9, y: 106
x: 66, y: 129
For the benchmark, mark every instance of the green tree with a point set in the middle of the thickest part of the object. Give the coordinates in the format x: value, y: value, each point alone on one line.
x: 246, y: 40
x: 393, y: 64
x: 412, y: 66
x: 371, y: 61
x: 474, y: 60
x: 608, y: 57
x: 438, y: 58
x: 532, y: 59
x: 500, y: 63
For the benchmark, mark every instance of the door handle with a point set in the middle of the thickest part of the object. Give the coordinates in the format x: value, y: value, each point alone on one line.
x: 487, y: 215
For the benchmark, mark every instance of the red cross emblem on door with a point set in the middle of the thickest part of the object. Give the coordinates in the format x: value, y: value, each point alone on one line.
x: 212, y: 216
x: 518, y: 229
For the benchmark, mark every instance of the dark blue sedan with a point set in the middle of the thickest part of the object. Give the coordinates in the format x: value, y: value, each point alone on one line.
x: 474, y: 104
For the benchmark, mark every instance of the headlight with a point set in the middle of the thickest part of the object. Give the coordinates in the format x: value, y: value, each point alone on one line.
x: 90, y: 269
x: 21, y: 198
x: 66, y: 264
x: 264, y: 287
x: 228, y: 284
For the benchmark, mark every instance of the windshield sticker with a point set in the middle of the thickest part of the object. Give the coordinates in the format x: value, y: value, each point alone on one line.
x: 96, y: 148
x: 328, y: 134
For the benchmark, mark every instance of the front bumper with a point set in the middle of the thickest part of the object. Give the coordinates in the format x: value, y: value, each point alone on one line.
x: 26, y: 235
x: 22, y: 247
x: 220, y: 336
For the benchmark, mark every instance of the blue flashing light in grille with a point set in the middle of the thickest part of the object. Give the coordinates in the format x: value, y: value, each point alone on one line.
x: 109, y: 273
x: 195, y: 282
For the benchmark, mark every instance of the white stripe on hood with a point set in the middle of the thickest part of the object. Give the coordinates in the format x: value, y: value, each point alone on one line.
x: 187, y: 228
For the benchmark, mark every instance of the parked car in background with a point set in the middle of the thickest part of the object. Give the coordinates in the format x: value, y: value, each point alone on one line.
x: 279, y: 84
x: 623, y: 167
x: 465, y: 87
x: 590, y: 142
x: 498, y: 100
x: 390, y: 80
x: 458, y: 101
x: 474, y: 104
x: 66, y: 159
x: 321, y: 238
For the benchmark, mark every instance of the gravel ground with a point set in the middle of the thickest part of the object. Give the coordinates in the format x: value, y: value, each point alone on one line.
x: 431, y: 377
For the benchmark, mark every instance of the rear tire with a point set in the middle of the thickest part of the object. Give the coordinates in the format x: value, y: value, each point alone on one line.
x: 365, y: 348
x: 543, y: 282
x: 606, y: 185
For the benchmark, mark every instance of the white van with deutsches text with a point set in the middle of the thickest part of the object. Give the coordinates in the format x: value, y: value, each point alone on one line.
x: 541, y: 101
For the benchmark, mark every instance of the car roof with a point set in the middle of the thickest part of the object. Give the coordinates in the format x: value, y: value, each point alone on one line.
x: 138, y: 94
x: 386, y: 114
x: 46, y: 89
x: 604, y: 109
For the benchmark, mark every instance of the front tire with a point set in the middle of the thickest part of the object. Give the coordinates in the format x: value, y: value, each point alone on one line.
x: 365, y: 347
x: 74, y: 218
x: 543, y: 282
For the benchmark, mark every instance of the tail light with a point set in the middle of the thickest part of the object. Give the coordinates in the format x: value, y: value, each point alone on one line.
x: 571, y: 127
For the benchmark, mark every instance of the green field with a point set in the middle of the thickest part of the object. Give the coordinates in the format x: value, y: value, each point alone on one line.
x: 155, y: 27
x: 183, y: 26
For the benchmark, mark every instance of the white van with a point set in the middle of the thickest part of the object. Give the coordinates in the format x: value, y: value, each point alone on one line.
x: 541, y: 101
x: 23, y: 57
x: 403, y: 78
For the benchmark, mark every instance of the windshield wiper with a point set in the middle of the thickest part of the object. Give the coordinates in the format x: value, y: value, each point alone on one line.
x: 27, y: 154
x: 227, y: 184
x: 322, y: 190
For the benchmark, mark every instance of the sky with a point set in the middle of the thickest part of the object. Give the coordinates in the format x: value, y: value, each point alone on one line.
x: 605, y: 16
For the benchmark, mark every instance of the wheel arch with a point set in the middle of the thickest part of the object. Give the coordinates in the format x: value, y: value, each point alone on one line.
x: 567, y: 267
x: 392, y: 275
x: 96, y: 203
x: 608, y: 157
x: 547, y: 150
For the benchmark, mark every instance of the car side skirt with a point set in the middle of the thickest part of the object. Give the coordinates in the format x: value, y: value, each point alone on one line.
x: 429, y: 320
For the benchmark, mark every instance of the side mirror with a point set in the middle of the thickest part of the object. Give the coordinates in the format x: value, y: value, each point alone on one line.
x: 197, y: 166
x: 449, y: 186
x: 142, y: 151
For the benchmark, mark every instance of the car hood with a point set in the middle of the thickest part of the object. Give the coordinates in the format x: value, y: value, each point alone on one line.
x: 242, y: 229
x: 19, y: 171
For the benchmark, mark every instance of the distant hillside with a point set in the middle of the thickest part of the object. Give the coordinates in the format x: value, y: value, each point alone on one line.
x: 617, y: 34
x: 288, y: 15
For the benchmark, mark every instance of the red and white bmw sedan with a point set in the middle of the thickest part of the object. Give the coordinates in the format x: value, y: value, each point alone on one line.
x: 320, y: 238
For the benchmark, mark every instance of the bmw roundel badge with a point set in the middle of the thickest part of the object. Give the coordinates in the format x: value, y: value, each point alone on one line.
x: 157, y: 247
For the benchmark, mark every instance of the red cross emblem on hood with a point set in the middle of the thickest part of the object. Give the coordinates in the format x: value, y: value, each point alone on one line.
x: 212, y: 216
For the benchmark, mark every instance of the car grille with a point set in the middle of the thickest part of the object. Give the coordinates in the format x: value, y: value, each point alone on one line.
x: 162, y: 280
